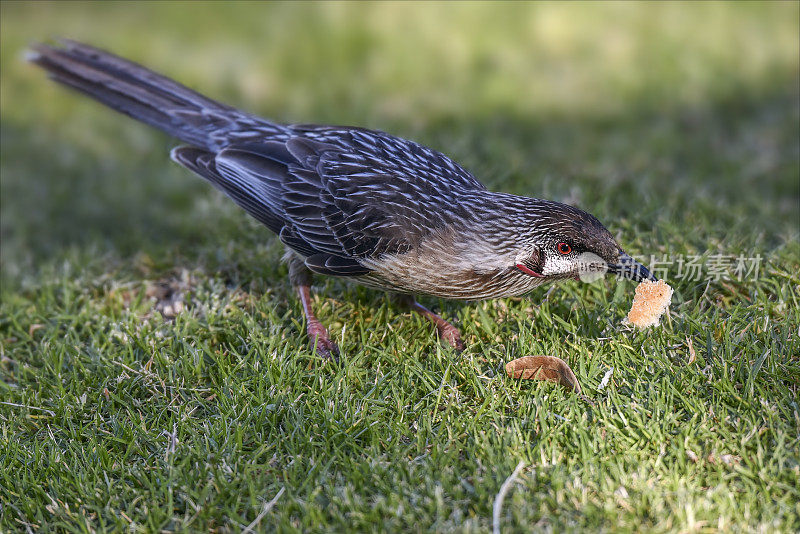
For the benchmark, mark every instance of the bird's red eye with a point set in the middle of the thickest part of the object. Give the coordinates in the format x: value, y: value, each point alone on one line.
x: 564, y: 248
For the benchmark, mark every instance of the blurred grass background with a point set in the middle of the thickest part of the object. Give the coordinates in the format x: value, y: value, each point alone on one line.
x: 675, y: 123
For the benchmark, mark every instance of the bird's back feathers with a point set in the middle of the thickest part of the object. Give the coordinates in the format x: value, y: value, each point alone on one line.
x: 335, y: 198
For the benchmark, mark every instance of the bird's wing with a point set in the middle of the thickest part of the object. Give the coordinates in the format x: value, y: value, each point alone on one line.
x: 339, y: 196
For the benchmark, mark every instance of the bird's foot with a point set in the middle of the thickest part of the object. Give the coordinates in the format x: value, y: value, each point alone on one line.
x: 450, y: 334
x: 447, y: 332
x: 321, y: 341
x: 318, y: 335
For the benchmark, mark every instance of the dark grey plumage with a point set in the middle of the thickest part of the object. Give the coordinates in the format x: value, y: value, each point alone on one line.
x: 350, y: 202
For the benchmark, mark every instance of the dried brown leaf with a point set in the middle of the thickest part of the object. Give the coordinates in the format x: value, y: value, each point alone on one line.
x: 547, y: 368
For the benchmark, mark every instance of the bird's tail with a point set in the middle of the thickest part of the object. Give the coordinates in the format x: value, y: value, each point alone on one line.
x: 136, y: 91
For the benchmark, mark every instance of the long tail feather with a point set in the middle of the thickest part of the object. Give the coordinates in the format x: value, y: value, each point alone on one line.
x: 140, y: 93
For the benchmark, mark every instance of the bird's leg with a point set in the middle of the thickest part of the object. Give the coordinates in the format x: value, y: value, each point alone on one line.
x: 317, y: 333
x: 446, y: 331
x: 301, y: 277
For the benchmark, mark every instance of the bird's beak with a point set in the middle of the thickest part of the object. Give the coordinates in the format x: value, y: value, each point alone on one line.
x: 630, y: 268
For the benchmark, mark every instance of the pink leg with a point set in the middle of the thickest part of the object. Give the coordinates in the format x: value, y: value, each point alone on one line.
x: 317, y: 333
x: 446, y: 331
x: 301, y: 279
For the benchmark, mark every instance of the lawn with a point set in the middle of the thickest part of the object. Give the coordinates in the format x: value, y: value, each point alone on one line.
x: 154, y: 371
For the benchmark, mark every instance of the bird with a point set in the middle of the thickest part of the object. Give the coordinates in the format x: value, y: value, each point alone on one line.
x: 354, y: 203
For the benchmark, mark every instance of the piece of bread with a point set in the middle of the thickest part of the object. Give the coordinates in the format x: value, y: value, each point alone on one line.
x: 649, y: 303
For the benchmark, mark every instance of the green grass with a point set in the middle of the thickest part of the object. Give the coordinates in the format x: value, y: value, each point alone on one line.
x: 675, y: 124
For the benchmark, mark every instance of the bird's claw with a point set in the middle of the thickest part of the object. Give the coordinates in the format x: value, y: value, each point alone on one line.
x: 327, y: 349
x: 451, y: 335
x: 321, y: 342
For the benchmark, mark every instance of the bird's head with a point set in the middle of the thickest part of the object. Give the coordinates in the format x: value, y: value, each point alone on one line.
x: 566, y: 242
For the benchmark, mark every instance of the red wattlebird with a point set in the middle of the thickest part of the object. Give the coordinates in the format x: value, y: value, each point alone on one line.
x: 354, y: 203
